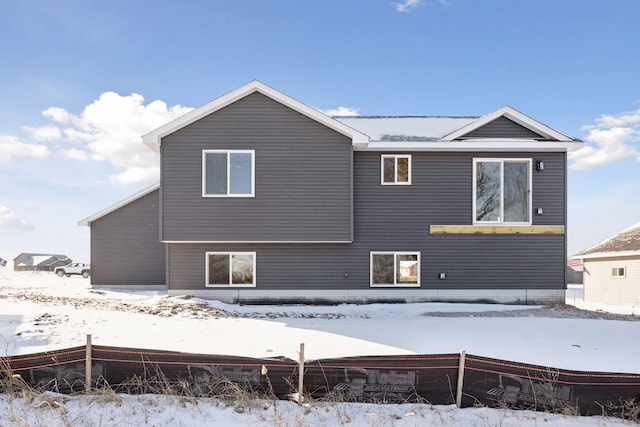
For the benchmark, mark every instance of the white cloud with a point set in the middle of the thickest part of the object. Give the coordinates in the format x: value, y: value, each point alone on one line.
x: 612, y: 138
x: 44, y: 133
x: 407, y: 5
x: 11, y: 147
x: 75, y: 154
x: 340, y: 111
x: 8, y: 219
x: 110, y: 129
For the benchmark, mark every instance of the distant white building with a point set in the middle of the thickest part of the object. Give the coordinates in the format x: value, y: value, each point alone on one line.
x: 612, y: 269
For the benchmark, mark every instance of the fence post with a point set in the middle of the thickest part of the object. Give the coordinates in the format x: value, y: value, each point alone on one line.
x: 87, y: 369
x: 300, y: 373
x: 460, y: 378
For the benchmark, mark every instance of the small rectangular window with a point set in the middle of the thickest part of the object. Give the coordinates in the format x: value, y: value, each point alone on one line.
x: 395, y: 169
x: 618, y: 272
x: 231, y: 269
x: 395, y: 269
x: 228, y: 173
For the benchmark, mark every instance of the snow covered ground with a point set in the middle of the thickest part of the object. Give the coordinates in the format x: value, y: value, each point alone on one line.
x: 40, y: 311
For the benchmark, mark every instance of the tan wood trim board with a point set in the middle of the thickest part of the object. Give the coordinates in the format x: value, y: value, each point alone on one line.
x: 496, y: 229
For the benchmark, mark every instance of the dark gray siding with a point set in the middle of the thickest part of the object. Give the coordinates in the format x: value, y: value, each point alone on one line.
x: 302, y: 178
x: 125, y: 246
x: 397, y: 218
x: 502, y: 127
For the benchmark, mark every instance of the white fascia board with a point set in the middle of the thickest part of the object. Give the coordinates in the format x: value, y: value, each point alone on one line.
x: 473, y: 145
x: 620, y: 254
x: 88, y: 220
x: 153, y: 138
x: 514, y: 115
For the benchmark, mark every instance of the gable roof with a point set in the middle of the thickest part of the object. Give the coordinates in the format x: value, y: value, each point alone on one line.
x: 441, y: 133
x: 88, y: 220
x: 33, y: 259
x: 545, y: 132
x: 153, y: 138
x: 625, y: 243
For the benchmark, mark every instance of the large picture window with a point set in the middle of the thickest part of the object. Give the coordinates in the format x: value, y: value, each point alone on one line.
x: 231, y: 269
x: 395, y: 269
x: 395, y: 169
x: 228, y: 173
x: 502, y: 191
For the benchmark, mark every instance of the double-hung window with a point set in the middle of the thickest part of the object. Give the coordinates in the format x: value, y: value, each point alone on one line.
x: 395, y: 169
x: 225, y: 269
x: 395, y: 269
x: 228, y: 173
x: 502, y: 191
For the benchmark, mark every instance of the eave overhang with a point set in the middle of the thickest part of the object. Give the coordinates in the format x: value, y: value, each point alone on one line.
x: 511, y: 145
x: 614, y: 254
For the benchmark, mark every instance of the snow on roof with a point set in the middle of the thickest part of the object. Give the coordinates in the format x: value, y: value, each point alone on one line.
x: 624, y: 243
x: 405, y: 128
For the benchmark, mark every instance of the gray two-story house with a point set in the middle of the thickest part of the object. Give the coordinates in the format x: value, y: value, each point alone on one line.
x: 265, y: 199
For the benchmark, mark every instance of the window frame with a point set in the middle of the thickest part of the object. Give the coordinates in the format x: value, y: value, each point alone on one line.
x: 230, y: 255
x: 502, y: 162
x: 228, y: 154
x: 395, y: 178
x: 617, y: 269
x: 395, y: 266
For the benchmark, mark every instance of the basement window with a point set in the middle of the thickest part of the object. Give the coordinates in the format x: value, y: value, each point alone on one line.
x: 226, y: 269
x: 395, y: 269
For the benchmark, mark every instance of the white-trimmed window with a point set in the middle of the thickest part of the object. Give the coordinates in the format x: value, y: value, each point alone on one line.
x: 225, y: 269
x: 502, y: 191
x: 228, y: 173
x: 618, y: 272
x: 395, y: 169
x: 395, y: 269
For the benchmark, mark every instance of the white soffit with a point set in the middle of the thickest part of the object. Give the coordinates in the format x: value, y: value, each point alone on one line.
x: 153, y: 138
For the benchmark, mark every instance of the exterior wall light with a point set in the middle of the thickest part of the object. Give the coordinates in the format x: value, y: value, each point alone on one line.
x: 442, y: 276
x: 539, y: 165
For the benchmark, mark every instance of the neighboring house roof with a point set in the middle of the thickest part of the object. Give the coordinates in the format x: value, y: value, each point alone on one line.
x: 88, y: 220
x: 625, y: 243
x: 34, y: 259
x: 153, y: 138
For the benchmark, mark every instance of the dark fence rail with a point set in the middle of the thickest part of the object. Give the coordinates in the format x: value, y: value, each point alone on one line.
x: 376, y: 379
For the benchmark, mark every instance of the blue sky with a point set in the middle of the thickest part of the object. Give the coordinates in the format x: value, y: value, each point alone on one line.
x: 82, y: 80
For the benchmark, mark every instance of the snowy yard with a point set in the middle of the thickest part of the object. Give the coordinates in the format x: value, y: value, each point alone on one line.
x: 40, y: 312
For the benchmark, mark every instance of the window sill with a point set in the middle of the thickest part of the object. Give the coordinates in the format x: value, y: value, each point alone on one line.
x: 230, y: 286
x: 496, y: 229
x: 396, y: 286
